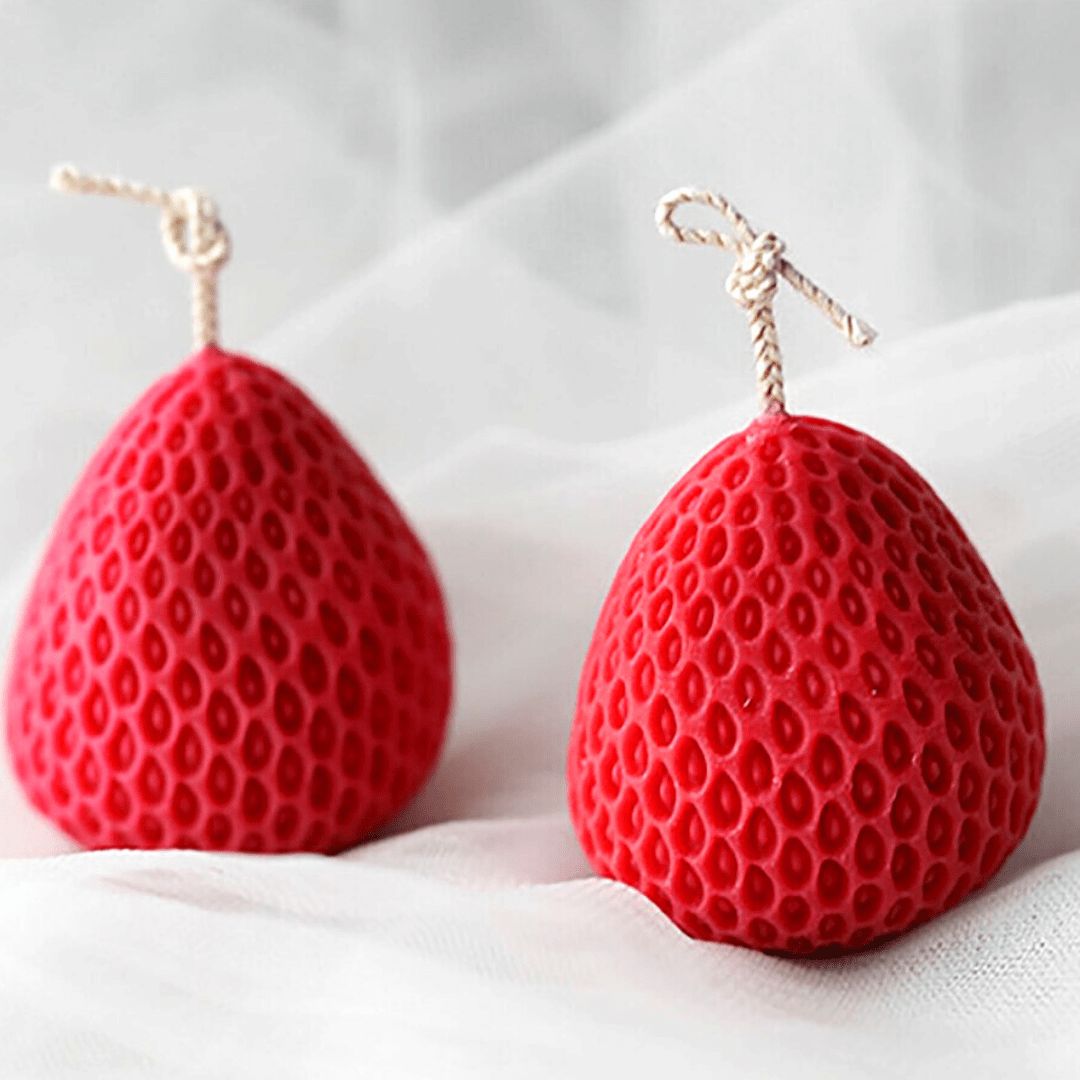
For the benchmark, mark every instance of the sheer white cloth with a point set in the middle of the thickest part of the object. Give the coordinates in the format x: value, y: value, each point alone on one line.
x: 442, y: 225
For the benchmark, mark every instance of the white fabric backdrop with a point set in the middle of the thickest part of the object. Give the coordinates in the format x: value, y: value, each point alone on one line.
x: 442, y: 225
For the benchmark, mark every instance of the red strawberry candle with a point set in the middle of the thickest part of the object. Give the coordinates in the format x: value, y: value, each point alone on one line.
x: 235, y: 640
x: 807, y: 720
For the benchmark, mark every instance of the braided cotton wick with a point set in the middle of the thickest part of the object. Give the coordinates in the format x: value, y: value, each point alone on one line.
x: 195, y: 240
x: 759, y: 263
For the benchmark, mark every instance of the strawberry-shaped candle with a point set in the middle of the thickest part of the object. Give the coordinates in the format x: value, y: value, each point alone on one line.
x: 235, y: 640
x: 807, y: 720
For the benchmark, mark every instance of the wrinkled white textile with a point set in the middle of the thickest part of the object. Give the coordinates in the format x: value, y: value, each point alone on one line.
x: 442, y: 226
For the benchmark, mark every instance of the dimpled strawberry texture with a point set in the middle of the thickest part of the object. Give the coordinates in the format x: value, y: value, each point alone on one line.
x: 234, y: 641
x: 807, y: 720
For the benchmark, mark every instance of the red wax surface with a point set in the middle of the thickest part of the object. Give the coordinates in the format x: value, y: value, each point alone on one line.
x: 235, y: 640
x: 807, y: 720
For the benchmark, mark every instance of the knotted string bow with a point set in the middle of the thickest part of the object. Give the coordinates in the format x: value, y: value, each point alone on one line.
x: 194, y: 238
x: 752, y: 284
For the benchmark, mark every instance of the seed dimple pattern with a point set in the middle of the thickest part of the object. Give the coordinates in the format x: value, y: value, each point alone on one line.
x: 816, y: 724
x: 242, y: 605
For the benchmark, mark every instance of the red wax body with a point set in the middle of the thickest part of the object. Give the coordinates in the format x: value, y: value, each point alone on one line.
x: 807, y: 719
x: 235, y: 640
